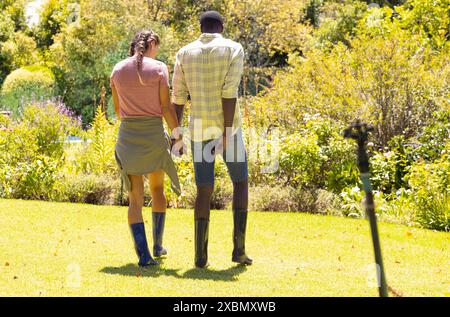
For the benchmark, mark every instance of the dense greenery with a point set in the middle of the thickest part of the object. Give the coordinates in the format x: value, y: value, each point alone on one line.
x: 312, y: 66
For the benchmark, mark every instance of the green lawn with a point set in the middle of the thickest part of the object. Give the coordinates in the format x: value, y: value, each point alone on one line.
x: 58, y: 249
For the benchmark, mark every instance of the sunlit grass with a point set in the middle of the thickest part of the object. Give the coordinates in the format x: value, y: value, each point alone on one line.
x: 59, y: 249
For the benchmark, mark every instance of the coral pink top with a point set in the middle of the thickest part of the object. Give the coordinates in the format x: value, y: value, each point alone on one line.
x: 139, y: 97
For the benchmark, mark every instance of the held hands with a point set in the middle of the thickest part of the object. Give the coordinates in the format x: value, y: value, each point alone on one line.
x: 178, y: 147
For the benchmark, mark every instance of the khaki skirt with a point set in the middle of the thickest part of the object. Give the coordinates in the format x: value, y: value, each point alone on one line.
x: 142, y: 147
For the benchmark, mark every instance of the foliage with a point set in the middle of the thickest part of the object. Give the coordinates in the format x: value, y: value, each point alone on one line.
x: 428, y: 18
x: 338, y: 23
x: 36, y: 179
x: 300, y: 160
x: 430, y: 186
x: 20, y: 50
x: 53, y: 17
x: 32, y: 151
x: 387, y: 79
x: 25, y: 85
x: 98, y: 157
x: 89, y: 189
x: 434, y: 136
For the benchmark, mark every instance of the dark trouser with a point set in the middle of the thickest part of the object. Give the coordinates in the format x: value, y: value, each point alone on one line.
x: 235, y: 158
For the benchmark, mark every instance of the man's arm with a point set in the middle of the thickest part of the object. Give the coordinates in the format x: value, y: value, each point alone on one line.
x: 228, y: 107
x: 180, y: 91
x: 230, y: 90
x: 179, y: 109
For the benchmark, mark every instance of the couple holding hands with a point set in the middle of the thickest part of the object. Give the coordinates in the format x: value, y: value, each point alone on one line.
x: 208, y: 71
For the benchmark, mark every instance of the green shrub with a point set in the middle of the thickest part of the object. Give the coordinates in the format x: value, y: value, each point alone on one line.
x: 352, y: 202
x: 281, y: 198
x: 6, y: 189
x: 383, y: 170
x: 31, y: 151
x: 430, y: 186
x: 50, y: 123
x: 36, y: 179
x: 89, y: 189
x: 300, y: 160
x: 270, y: 198
x: 338, y: 168
x: 26, y: 85
x: 98, y: 157
x: 327, y: 202
x: 434, y: 136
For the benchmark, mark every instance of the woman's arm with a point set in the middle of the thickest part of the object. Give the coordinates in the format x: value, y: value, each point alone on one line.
x: 115, y: 101
x: 168, y: 111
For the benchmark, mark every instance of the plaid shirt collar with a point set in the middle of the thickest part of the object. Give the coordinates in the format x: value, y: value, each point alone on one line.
x: 205, y: 37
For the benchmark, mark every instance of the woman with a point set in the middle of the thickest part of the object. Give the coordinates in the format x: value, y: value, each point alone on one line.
x: 140, y: 87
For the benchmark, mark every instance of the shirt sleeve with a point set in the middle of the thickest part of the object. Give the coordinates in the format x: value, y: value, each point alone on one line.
x: 179, y: 88
x: 230, y: 87
x: 111, y: 78
x: 165, y: 75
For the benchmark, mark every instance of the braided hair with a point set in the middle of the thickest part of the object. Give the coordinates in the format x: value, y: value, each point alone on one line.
x: 141, y: 44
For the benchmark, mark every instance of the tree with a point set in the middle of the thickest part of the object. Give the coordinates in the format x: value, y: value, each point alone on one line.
x: 53, y: 16
x: 20, y: 50
x: 387, y: 75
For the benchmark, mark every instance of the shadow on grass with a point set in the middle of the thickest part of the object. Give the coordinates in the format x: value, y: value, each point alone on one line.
x: 228, y: 275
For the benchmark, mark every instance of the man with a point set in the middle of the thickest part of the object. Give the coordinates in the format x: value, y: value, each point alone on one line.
x: 209, y: 70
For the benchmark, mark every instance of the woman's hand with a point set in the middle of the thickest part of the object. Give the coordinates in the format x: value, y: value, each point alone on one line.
x: 179, y: 148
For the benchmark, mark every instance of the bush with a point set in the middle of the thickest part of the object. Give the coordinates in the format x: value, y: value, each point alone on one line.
x: 36, y: 179
x: 20, y: 50
x: 50, y: 124
x: 387, y: 76
x: 300, y: 160
x: 383, y: 171
x: 281, y: 198
x: 89, y: 189
x: 270, y: 198
x: 31, y: 151
x: 430, y: 187
x: 26, y: 85
x: 327, y: 202
x: 338, y: 168
x: 352, y: 202
x: 434, y: 136
x: 98, y: 157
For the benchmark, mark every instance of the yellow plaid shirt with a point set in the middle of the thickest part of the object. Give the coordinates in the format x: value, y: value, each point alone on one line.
x: 208, y: 70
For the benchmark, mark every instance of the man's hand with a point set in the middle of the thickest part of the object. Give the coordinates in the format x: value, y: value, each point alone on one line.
x: 178, y: 147
x: 222, y: 144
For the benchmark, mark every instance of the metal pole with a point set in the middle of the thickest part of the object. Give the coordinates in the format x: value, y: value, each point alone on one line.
x: 360, y: 131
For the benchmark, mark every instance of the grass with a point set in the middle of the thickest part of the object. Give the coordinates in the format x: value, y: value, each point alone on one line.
x: 59, y: 249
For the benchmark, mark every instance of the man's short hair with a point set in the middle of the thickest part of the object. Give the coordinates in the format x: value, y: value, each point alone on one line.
x: 211, y: 20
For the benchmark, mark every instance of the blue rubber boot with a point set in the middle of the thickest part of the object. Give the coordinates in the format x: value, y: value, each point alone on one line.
x: 140, y: 245
x: 159, y: 219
